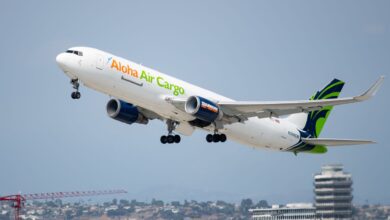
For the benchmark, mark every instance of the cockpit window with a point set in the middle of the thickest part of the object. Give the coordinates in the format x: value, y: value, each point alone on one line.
x: 78, y: 53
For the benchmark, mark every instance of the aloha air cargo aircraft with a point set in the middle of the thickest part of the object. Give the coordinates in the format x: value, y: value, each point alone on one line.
x: 143, y: 94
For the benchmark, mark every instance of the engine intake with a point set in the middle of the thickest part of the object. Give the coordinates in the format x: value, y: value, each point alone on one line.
x: 203, y: 109
x: 125, y: 112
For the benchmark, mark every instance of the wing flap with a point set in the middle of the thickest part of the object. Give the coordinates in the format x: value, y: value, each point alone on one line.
x: 334, y: 142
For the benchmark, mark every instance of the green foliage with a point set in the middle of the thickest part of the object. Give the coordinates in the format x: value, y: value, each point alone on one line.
x: 246, y: 204
x: 124, y: 202
x: 159, y: 203
x: 136, y: 203
x: 175, y: 203
x: 170, y: 215
x: 262, y: 204
x: 51, y: 204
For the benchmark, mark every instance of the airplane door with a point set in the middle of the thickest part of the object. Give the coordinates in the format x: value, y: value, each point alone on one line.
x: 100, y: 62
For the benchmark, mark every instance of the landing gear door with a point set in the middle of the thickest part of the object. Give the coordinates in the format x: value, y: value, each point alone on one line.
x: 100, y: 62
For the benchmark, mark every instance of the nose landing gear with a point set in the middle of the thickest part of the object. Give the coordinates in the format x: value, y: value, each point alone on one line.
x: 75, y: 94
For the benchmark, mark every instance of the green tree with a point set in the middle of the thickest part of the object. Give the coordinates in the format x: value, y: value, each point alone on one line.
x: 175, y: 203
x: 51, y: 204
x: 246, y: 204
x: 262, y: 204
x: 58, y: 202
x: 124, y: 202
x: 136, y: 203
x: 159, y: 203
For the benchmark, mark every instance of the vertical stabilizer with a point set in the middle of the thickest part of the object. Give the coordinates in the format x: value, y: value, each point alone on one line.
x: 314, y: 121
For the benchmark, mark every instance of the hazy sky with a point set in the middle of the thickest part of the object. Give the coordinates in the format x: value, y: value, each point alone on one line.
x: 246, y: 50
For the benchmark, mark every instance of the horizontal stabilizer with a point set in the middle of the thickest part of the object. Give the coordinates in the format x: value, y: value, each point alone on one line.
x: 334, y: 142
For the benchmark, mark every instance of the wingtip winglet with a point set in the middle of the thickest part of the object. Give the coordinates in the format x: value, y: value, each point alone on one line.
x: 372, y: 90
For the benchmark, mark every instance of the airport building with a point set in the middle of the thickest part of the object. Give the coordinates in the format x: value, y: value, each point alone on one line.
x: 289, y: 211
x: 333, y: 193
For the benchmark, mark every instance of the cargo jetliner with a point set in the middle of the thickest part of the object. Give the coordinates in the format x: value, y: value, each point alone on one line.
x: 142, y: 94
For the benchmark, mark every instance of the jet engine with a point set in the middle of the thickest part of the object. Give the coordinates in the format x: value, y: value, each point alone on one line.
x: 125, y: 112
x: 203, y: 109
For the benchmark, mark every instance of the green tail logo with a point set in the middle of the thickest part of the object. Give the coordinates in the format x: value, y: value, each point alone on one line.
x: 316, y: 119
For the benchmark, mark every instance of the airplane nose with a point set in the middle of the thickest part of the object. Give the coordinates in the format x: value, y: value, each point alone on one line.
x: 60, y: 59
x: 65, y: 65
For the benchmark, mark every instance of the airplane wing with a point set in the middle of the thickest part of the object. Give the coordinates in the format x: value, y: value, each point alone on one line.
x: 334, y: 142
x: 244, y: 110
x: 239, y: 111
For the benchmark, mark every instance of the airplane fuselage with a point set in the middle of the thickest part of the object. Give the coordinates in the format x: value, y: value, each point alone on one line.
x: 151, y: 90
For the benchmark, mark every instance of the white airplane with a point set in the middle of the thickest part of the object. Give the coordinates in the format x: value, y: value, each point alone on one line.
x: 143, y: 94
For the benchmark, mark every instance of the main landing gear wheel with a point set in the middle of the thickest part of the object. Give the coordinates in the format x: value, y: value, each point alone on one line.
x: 216, y: 138
x: 177, y: 139
x: 170, y: 138
x: 76, y: 94
x: 209, y: 138
x: 164, y: 139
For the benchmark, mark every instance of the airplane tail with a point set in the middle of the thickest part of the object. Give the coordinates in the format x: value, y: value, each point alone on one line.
x: 311, y: 123
x: 314, y: 121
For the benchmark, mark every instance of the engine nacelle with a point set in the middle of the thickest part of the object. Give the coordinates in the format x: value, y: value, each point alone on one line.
x: 125, y: 112
x: 203, y: 109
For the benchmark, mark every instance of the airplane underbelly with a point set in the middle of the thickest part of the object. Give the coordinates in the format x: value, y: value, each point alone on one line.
x: 263, y: 133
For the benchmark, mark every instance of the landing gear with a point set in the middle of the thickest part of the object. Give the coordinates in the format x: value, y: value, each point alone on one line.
x: 164, y: 139
x: 177, y: 139
x: 170, y: 138
x: 76, y: 94
x: 216, y: 138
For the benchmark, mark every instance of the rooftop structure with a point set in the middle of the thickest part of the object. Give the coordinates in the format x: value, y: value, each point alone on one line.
x: 289, y: 211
